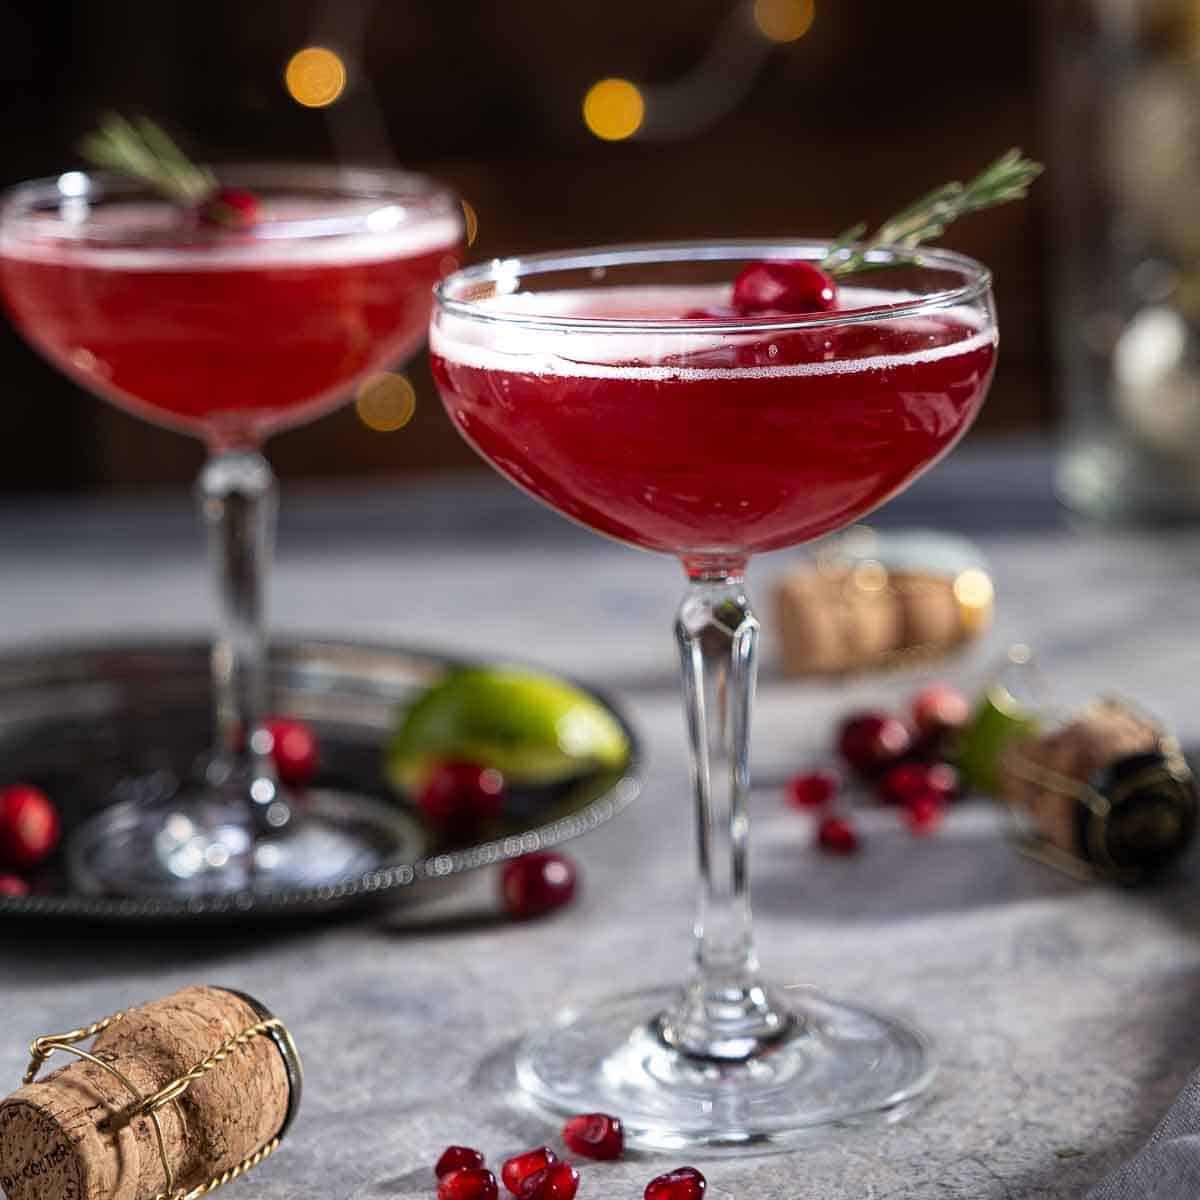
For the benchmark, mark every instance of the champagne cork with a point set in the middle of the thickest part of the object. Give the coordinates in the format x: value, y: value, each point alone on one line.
x: 71, y: 1135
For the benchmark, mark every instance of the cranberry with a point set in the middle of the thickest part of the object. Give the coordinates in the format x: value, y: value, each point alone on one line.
x: 559, y: 1181
x: 837, y: 836
x: 939, y: 709
x: 923, y: 813
x: 518, y: 1168
x: 13, y: 885
x: 812, y: 789
x: 293, y: 749
x: 870, y: 742
x: 594, y: 1135
x: 230, y: 208
x: 537, y: 883
x: 684, y: 1183
x: 457, y: 1158
x: 29, y: 826
x: 468, y: 1183
x: 783, y: 287
x: 462, y: 794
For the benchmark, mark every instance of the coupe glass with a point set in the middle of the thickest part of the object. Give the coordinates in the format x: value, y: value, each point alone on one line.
x: 609, y: 384
x: 229, y: 337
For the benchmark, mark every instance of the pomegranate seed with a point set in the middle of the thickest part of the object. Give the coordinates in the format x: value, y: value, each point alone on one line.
x: 293, y: 749
x: 230, y: 208
x: 457, y: 1158
x: 29, y: 826
x: 684, y: 1183
x: 559, y: 1181
x: 812, y: 789
x: 923, y: 813
x: 518, y: 1168
x: 468, y: 1183
x: 939, y: 708
x: 594, y: 1135
x: 537, y: 883
x: 13, y: 885
x: 462, y: 794
x: 837, y: 836
x: 871, y: 742
x: 783, y: 287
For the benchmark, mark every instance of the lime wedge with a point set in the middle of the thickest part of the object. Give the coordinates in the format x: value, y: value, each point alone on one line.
x: 532, y: 728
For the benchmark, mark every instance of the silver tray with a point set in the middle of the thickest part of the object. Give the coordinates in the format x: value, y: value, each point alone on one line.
x: 75, y: 720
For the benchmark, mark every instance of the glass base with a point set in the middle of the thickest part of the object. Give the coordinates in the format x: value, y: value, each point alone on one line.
x: 840, y: 1065
x: 195, y: 843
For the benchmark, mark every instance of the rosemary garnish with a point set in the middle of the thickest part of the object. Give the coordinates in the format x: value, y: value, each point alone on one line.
x: 144, y: 151
x: 1008, y: 178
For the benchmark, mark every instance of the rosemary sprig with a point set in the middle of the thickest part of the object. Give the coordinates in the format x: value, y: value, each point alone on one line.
x: 1008, y: 178
x: 143, y: 151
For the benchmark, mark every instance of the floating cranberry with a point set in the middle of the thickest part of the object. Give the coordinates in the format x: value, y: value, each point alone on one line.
x: 457, y: 1158
x: 29, y: 826
x: 518, y: 1168
x: 783, y: 287
x: 944, y: 780
x: 293, y: 749
x: 462, y: 794
x: 871, y: 742
x: 685, y: 1183
x: 594, y: 1135
x: 837, y: 836
x: 812, y: 789
x: 468, y: 1183
x: 909, y: 779
x: 559, y: 1181
x: 923, y: 813
x: 13, y: 885
x: 231, y: 208
x: 538, y: 883
x: 939, y: 709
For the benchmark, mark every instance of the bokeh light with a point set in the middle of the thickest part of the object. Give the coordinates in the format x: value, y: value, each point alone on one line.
x: 784, y: 20
x: 614, y: 109
x: 471, y: 220
x: 386, y: 402
x: 315, y: 76
x: 975, y: 594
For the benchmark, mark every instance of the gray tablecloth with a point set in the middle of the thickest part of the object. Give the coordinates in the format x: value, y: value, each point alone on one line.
x: 1066, y: 1015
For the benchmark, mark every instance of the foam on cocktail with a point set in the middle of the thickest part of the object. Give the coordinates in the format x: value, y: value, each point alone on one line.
x: 632, y: 354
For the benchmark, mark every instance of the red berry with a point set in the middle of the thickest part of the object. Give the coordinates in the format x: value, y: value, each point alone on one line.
x: 923, y: 813
x: 230, y: 208
x: 908, y: 779
x: 457, y: 1158
x: 29, y: 826
x: 594, y: 1135
x: 13, y: 885
x: 559, y: 1181
x: 518, y: 1168
x: 536, y: 883
x: 870, y: 742
x: 293, y: 749
x: 462, y: 794
x: 783, y: 287
x: 939, y: 708
x: 837, y: 836
x: 468, y: 1183
x: 684, y: 1183
x: 943, y: 779
x: 812, y: 789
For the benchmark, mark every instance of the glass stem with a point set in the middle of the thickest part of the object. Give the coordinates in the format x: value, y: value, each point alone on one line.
x: 725, y: 1013
x: 238, y: 499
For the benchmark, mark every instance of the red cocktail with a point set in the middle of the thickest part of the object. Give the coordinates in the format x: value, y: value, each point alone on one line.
x: 619, y: 387
x: 228, y: 334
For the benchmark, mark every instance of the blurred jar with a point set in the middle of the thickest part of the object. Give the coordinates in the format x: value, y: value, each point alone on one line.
x: 1126, y: 168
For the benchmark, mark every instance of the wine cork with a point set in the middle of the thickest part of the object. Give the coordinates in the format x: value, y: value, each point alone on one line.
x: 68, y: 1136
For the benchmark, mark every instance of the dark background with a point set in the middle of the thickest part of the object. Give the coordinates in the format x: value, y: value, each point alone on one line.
x: 878, y: 102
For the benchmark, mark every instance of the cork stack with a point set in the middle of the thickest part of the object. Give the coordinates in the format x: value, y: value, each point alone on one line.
x: 63, y: 1137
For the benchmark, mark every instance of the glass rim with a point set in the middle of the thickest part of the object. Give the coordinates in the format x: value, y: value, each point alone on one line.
x: 422, y: 194
x: 977, y: 282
